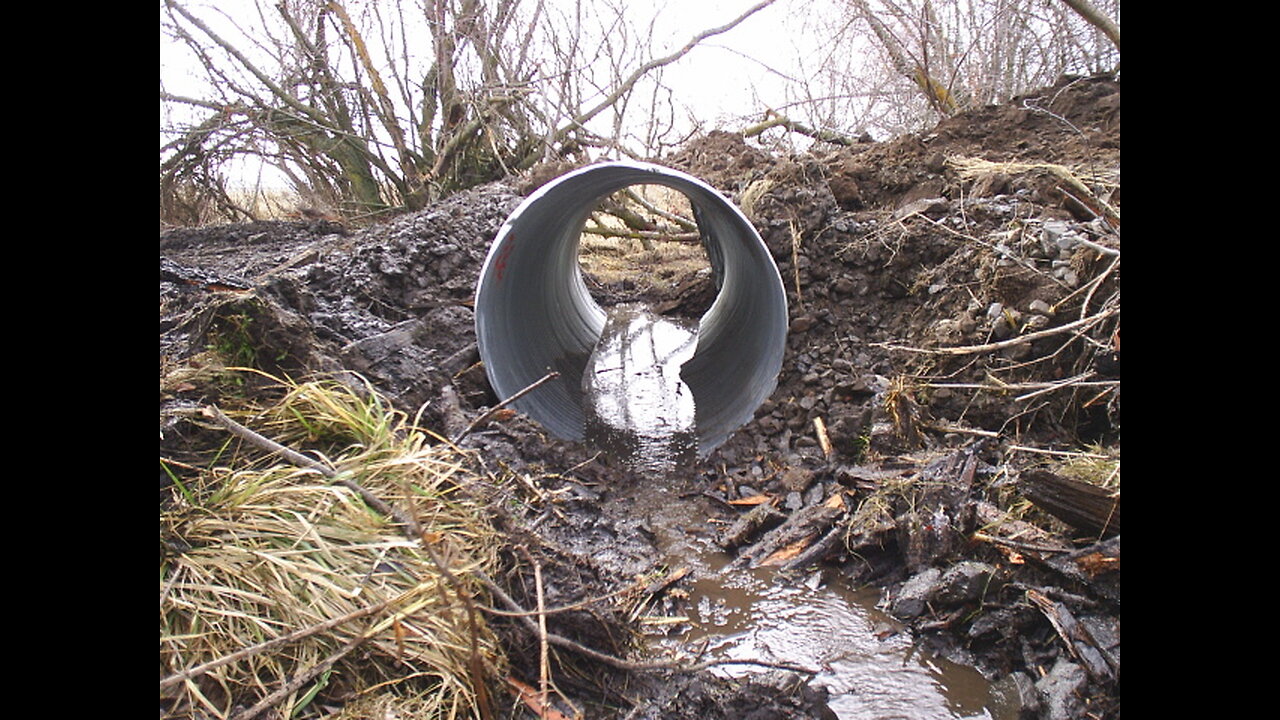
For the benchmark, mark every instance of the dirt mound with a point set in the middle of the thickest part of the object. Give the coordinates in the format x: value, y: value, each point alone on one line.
x: 953, y: 285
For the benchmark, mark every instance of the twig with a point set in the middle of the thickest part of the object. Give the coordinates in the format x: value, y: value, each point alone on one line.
x: 1050, y: 387
x: 544, y: 670
x: 611, y: 660
x: 824, y: 440
x: 998, y: 386
x: 939, y: 427
x: 272, y: 644
x: 490, y: 412
x: 1082, y: 324
x: 559, y: 608
x: 476, y: 666
x: 412, y: 528
x: 299, y: 680
x: 1065, y: 453
x: 984, y: 537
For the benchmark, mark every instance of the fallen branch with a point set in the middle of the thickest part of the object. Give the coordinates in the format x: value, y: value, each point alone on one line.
x: 299, y: 680
x: 493, y: 410
x: 775, y: 119
x: 602, y: 231
x: 1081, y: 324
x: 412, y: 528
x: 680, y: 220
x: 272, y: 644
x: 1074, y: 635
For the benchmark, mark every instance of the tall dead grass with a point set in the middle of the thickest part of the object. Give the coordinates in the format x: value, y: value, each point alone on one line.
x: 282, y: 587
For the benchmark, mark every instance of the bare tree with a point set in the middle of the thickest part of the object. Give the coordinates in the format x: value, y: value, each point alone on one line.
x: 892, y: 66
x: 371, y: 105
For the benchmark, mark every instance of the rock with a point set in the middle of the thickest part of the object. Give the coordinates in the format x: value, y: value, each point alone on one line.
x: 1061, y: 689
x: 1019, y: 690
x: 990, y: 184
x: 803, y: 323
x: 913, y: 597
x: 964, y: 582
x: 933, y: 207
x: 1051, y: 233
x: 796, y: 479
x: 794, y: 501
x: 1040, y: 307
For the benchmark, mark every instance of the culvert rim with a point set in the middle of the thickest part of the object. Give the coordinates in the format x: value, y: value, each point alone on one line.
x: 534, y: 313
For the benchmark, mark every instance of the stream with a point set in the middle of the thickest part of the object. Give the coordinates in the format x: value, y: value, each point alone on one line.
x: 641, y: 413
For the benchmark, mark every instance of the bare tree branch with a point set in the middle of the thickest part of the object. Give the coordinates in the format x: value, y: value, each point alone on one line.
x: 1096, y: 18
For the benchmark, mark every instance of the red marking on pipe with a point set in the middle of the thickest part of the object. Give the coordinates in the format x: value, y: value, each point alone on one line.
x: 500, y: 264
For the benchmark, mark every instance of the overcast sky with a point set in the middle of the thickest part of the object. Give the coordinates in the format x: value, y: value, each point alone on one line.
x: 721, y: 82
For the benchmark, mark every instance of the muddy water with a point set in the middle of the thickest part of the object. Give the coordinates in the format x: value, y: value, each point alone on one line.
x: 640, y: 412
x: 868, y: 664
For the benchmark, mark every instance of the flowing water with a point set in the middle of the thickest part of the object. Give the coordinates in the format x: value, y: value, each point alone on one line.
x: 639, y: 408
x: 641, y: 413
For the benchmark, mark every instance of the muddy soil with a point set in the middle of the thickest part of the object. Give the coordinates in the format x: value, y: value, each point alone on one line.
x: 971, y: 236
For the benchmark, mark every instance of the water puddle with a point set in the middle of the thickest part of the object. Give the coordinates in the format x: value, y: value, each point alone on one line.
x: 641, y: 413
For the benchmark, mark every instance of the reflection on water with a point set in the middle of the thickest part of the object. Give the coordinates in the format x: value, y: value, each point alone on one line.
x: 638, y: 408
x: 869, y: 670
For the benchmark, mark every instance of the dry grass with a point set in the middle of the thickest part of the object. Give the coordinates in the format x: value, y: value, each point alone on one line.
x: 253, y: 553
x: 611, y: 260
x: 1096, y: 467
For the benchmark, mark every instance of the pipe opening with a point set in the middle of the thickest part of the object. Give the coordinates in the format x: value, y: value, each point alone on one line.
x: 535, y: 312
x: 642, y: 244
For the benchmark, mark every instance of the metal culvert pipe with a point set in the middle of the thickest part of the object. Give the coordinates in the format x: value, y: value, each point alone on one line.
x: 534, y: 314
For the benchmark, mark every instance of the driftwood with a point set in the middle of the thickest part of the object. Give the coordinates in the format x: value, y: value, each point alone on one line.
x: 1097, y: 659
x: 1085, y: 507
x: 820, y: 549
x: 794, y: 536
x: 942, y: 517
x: 748, y: 524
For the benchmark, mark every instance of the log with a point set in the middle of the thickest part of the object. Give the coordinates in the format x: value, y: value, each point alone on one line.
x: 800, y: 529
x: 747, y: 525
x: 942, y: 514
x: 1081, y: 505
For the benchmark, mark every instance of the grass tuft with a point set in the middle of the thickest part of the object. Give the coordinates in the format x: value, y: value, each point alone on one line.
x: 253, y: 554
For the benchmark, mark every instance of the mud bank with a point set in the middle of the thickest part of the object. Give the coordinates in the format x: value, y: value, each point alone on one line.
x: 952, y: 366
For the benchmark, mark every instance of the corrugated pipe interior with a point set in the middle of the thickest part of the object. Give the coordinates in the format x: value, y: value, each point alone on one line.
x: 534, y: 313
